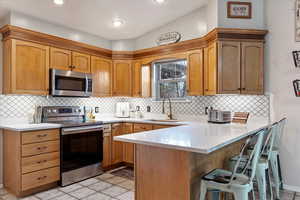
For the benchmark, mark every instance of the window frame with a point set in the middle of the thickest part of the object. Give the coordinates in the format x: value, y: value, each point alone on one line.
x: 156, y: 80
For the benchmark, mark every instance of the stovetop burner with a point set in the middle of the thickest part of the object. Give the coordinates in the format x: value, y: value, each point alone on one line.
x: 67, y: 116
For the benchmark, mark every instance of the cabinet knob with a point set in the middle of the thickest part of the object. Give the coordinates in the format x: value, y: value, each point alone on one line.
x: 243, y: 88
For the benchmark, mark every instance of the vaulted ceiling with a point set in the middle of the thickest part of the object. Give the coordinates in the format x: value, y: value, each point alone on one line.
x: 96, y: 16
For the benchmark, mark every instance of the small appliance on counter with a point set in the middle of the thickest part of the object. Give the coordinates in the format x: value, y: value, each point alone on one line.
x: 218, y: 116
x: 122, y: 110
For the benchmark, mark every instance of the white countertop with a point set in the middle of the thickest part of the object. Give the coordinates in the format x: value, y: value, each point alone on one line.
x: 194, y: 136
x: 199, y: 137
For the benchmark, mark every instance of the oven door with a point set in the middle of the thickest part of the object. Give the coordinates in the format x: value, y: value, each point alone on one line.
x: 81, y: 153
x: 69, y: 83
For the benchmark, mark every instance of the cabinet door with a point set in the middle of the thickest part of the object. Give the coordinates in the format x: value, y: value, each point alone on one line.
x: 117, y: 147
x: 30, y: 68
x: 60, y: 59
x: 81, y: 62
x: 107, y: 153
x: 128, y: 148
x: 229, y: 68
x: 136, y: 75
x: 122, y: 71
x: 210, y: 69
x: 102, y: 77
x: 195, y: 73
x: 146, y: 81
x: 252, y: 68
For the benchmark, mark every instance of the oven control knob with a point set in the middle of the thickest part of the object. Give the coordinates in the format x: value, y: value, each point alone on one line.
x: 49, y: 111
x: 54, y: 110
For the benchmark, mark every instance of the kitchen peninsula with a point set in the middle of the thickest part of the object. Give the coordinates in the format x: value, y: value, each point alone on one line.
x: 169, y: 162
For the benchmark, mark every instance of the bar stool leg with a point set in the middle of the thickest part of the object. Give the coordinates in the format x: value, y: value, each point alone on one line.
x: 261, y: 181
x: 241, y: 195
x: 203, y: 191
x: 275, y: 171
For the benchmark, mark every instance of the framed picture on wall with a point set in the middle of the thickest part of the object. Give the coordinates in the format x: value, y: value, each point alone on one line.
x: 242, y: 10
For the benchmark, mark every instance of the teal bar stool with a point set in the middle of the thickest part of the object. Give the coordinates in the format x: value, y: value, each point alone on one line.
x: 274, y: 158
x: 239, y: 184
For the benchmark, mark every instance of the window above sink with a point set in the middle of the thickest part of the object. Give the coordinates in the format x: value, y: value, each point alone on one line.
x: 169, y: 80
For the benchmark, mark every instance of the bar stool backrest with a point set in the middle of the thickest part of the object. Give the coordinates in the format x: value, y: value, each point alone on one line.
x: 280, y: 130
x: 254, y: 156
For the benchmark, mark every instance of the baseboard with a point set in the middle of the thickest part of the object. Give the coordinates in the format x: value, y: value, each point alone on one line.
x: 291, y: 188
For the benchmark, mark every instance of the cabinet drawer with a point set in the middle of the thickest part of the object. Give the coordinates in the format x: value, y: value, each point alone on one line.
x: 106, y: 128
x: 39, y: 178
x: 127, y: 128
x: 43, y: 161
x: 40, y: 148
x: 142, y: 127
x: 40, y: 136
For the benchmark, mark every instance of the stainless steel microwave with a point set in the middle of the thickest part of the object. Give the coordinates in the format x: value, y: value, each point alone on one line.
x: 70, y: 84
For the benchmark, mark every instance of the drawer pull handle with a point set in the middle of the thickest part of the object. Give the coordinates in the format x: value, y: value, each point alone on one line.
x: 41, y: 161
x: 43, y: 135
x: 41, y: 148
x: 41, y: 178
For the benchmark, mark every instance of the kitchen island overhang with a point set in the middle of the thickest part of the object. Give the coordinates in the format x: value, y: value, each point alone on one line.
x: 169, y: 163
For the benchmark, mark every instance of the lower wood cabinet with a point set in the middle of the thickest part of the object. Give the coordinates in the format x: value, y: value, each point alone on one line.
x: 117, y: 147
x: 31, y: 160
x: 128, y: 148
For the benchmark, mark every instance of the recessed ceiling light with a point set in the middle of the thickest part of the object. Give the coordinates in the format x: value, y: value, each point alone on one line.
x: 118, y: 22
x: 58, y: 2
x: 159, y: 1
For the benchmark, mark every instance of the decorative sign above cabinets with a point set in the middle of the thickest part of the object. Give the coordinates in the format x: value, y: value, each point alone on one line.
x: 297, y: 21
x: 296, y: 84
x: 168, y: 38
x: 242, y: 10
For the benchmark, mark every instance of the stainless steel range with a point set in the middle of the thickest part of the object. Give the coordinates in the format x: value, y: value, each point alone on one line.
x: 81, y: 143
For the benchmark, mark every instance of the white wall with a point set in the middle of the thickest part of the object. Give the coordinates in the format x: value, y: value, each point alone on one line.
x: 191, y: 26
x: 123, y: 45
x: 256, y: 22
x: 31, y: 23
x: 212, y: 14
x: 280, y: 72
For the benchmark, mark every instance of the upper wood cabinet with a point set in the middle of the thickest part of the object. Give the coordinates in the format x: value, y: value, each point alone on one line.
x: 146, y: 81
x: 229, y: 67
x: 240, y: 68
x: 26, y: 68
x: 195, y: 72
x: 210, y: 69
x: 102, y: 76
x: 252, y: 68
x: 122, y: 78
x: 60, y: 59
x: 137, y: 82
x: 81, y: 62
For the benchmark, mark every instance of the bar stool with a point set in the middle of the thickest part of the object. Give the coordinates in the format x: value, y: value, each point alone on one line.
x: 240, y: 184
x: 274, y: 158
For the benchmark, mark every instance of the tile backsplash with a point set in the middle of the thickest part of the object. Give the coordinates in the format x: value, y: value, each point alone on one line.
x: 20, y: 106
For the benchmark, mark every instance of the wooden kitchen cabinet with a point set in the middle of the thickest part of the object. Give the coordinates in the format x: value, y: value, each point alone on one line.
x: 60, y: 59
x: 146, y: 81
x: 137, y: 127
x: 210, y: 69
x: 122, y: 78
x: 26, y: 68
x: 137, y: 76
x: 81, y: 62
x: 31, y: 160
x: 195, y: 72
x: 252, y: 68
x: 107, y: 146
x: 117, y: 147
x: 128, y: 148
x: 229, y: 67
x: 102, y: 76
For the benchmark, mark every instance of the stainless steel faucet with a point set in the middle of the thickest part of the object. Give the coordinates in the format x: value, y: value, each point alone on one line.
x: 170, y: 115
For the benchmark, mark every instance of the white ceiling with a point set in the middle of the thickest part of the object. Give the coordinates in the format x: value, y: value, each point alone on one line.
x: 95, y: 16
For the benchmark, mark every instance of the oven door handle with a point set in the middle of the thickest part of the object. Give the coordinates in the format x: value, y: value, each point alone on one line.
x: 85, y: 129
x: 86, y: 84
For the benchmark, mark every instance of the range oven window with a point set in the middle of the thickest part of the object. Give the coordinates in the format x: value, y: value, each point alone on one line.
x: 81, y: 149
x: 70, y: 83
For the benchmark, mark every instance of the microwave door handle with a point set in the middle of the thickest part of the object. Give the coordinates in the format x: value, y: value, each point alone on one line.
x: 86, y: 84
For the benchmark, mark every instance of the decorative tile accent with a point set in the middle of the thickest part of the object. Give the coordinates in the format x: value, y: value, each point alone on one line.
x: 21, y: 106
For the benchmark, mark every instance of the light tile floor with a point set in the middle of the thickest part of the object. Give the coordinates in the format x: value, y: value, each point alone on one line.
x: 103, y: 187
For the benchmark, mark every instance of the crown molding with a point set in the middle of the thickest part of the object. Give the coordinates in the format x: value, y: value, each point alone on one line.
x: 217, y: 34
